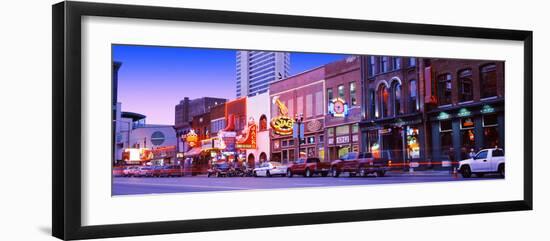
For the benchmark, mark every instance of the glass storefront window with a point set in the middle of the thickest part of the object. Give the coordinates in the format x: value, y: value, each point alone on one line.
x: 490, y: 131
x: 373, y: 145
x: 413, y: 143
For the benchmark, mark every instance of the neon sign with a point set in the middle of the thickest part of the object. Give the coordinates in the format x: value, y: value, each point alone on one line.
x: 282, y: 124
x: 338, y: 107
x: 248, y: 140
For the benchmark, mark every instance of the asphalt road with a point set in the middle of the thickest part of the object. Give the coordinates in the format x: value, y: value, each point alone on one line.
x: 155, y: 185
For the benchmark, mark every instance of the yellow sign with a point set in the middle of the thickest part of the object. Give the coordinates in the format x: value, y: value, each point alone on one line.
x: 282, y: 124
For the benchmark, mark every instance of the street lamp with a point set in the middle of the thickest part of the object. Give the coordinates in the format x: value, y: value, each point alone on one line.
x: 299, y: 118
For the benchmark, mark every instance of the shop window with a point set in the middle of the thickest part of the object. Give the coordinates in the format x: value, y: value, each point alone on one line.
x: 488, y: 81
x: 330, y: 132
x: 285, y: 156
x: 396, y: 98
x: 445, y: 125
x: 413, y: 143
x: 355, y: 128
x: 353, y: 93
x: 413, y: 96
x: 373, y: 143
x: 444, y: 89
x: 467, y: 137
x: 446, y: 135
x: 490, y: 131
x: 291, y: 155
x: 465, y: 85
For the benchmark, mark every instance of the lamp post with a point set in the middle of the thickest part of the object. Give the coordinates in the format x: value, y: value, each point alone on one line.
x: 299, y: 118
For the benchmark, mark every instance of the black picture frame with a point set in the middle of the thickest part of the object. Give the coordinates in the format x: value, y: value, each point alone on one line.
x: 66, y: 184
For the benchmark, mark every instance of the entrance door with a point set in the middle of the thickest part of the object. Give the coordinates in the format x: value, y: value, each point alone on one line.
x: 250, y: 160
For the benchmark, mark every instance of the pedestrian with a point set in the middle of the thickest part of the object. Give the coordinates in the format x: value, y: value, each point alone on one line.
x: 472, y: 153
x: 451, y: 155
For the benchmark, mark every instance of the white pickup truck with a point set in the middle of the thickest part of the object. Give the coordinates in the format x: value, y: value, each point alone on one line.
x: 485, y: 161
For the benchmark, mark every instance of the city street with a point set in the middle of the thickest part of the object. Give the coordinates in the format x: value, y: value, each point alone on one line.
x: 148, y: 185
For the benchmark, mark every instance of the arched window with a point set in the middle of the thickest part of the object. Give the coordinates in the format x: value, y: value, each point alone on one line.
x: 263, y: 123
x: 382, y: 96
x: 444, y: 89
x: 488, y: 81
x: 465, y: 85
x: 396, y: 98
x: 413, y: 95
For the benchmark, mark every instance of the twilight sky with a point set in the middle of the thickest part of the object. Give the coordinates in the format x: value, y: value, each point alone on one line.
x: 152, y: 80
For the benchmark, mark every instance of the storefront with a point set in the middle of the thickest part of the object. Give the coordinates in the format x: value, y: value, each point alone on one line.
x: 341, y: 140
x: 458, y: 131
x: 400, y: 139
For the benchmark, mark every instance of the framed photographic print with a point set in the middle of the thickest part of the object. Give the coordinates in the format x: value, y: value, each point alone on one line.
x: 171, y: 120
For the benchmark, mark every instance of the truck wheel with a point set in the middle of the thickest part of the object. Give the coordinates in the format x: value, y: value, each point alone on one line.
x: 501, y: 170
x: 466, y: 172
x: 335, y: 172
x: 362, y: 172
x: 308, y: 173
x: 288, y: 173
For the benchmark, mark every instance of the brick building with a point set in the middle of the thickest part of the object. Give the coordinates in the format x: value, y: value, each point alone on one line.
x: 300, y: 94
x: 343, y: 82
x: 465, y: 101
x: 393, y: 107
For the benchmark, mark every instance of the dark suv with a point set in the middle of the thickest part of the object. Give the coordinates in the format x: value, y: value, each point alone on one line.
x: 361, y: 164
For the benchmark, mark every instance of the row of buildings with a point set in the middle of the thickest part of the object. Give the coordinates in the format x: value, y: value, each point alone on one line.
x: 426, y: 111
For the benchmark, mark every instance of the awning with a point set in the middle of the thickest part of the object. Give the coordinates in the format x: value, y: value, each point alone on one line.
x: 195, y: 151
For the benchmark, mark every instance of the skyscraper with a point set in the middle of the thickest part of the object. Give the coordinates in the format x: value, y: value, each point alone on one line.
x: 257, y: 69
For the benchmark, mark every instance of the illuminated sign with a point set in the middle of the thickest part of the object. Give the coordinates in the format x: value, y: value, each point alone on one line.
x: 192, y: 138
x: 487, y: 109
x: 212, y: 143
x: 338, y: 107
x: 443, y: 116
x: 464, y: 112
x: 248, y: 139
x: 282, y: 124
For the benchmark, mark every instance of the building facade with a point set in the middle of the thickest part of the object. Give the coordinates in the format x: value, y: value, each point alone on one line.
x: 302, y: 94
x: 393, y: 123
x: 257, y: 69
x: 465, y: 102
x: 257, y: 110
x: 343, y: 103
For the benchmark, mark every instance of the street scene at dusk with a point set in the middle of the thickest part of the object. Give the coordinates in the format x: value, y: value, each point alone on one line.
x: 199, y: 120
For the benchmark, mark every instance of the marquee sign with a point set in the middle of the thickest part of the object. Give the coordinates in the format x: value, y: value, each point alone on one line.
x: 282, y: 124
x: 248, y: 139
x: 338, y: 107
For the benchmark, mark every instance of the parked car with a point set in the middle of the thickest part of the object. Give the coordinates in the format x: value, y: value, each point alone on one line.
x: 118, y: 171
x: 144, y: 171
x: 269, y: 169
x: 485, y: 161
x: 308, y: 167
x: 222, y: 169
x: 361, y: 164
x: 130, y: 171
x: 157, y: 171
x: 172, y: 171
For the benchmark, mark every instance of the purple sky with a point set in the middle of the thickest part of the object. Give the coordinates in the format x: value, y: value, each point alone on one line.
x: 152, y: 80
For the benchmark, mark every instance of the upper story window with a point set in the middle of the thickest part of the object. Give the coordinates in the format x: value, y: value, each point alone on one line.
x: 465, y: 89
x: 396, y: 98
x: 412, y: 61
x: 263, y: 123
x: 384, y: 64
x: 341, y: 91
x: 330, y: 94
x: 353, y: 93
x: 382, y: 108
x: 371, y: 65
x: 413, y: 96
x: 445, y: 87
x: 396, y: 62
x: 488, y: 81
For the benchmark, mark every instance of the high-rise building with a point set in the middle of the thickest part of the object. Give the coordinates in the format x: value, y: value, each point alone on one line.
x: 257, y: 69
